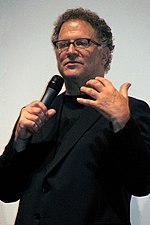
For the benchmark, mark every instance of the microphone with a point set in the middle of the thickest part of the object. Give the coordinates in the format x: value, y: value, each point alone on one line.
x: 53, y: 88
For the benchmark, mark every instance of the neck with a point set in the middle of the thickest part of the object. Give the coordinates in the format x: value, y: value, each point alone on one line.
x: 73, y: 86
x: 74, y: 83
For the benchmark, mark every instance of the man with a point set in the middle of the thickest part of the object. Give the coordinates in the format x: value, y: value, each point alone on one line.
x: 89, y: 153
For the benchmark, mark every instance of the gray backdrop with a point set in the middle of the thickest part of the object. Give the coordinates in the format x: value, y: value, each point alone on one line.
x: 27, y: 62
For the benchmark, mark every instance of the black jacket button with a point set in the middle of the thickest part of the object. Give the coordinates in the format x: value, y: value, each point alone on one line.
x: 37, y: 216
x: 45, y: 187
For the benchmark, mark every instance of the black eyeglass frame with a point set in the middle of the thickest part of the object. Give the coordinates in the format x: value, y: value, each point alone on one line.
x: 68, y: 42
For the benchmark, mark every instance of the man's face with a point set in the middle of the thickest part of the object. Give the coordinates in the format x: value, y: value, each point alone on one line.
x: 76, y: 62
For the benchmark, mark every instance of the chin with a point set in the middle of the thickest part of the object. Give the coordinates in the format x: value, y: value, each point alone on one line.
x: 71, y: 75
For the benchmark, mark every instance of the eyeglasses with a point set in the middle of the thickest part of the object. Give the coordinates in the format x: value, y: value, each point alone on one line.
x: 62, y: 45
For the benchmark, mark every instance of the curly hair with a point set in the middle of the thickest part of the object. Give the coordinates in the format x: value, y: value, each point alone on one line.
x: 103, y: 31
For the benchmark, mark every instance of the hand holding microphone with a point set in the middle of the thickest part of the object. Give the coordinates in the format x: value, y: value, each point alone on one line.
x: 34, y: 115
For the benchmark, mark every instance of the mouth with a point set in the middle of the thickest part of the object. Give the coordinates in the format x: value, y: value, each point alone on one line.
x: 73, y: 63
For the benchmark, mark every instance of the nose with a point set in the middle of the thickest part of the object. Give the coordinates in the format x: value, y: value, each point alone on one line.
x: 71, y: 47
x: 72, y: 53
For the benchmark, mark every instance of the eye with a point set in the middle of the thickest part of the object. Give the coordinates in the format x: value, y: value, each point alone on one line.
x: 82, y: 43
x: 62, y: 44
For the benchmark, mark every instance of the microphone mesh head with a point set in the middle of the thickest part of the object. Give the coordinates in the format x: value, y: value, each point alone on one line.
x: 56, y: 82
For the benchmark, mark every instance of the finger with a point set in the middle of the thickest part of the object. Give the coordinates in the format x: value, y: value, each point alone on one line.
x: 37, y: 122
x: 37, y: 108
x: 38, y: 104
x: 96, y: 84
x: 26, y: 127
x: 35, y: 112
x: 25, y: 122
x: 36, y: 125
x: 31, y: 119
x: 32, y: 130
x: 87, y: 102
x: 89, y: 91
x: 29, y: 123
x: 51, y: 112
x: 104, y: 81
x: 124, y: 89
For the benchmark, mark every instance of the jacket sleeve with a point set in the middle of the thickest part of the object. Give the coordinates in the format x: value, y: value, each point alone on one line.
x: 17, y: 167
x: 11, y: 174
x: 132, y: 149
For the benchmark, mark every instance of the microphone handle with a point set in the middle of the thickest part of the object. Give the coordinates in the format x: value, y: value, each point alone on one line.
x: 49, y: 96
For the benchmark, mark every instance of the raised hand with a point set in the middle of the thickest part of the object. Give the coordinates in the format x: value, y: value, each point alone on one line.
x: 113, y: 104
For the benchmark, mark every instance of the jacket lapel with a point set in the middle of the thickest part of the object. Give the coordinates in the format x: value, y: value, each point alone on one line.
x: 87, y: 119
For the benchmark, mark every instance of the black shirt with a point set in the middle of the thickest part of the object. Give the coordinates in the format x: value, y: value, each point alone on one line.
x: 70, y: 113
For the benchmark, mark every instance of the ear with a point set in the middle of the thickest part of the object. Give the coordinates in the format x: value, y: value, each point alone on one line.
x: 105, y: 55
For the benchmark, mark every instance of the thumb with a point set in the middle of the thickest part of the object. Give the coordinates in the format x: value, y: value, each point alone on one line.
x: 51, y: 112
x: 124, y: 89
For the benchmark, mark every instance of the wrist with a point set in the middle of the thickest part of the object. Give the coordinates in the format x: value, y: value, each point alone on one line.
x: 20, y: 144
x: 119, y: 124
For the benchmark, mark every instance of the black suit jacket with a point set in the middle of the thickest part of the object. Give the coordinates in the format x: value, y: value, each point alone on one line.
x: 88, y: 179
